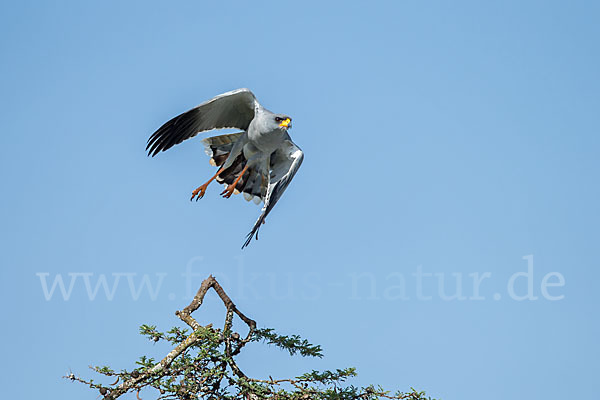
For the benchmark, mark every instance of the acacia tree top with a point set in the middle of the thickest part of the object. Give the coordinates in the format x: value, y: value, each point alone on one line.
x: 202, y: 365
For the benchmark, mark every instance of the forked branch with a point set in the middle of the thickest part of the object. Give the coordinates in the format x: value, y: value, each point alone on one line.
x: 202, y: 364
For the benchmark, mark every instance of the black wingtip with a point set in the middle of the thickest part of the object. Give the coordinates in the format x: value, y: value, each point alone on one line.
x: 249, y: 239
x: 152, y: 154
x: 150, y: 148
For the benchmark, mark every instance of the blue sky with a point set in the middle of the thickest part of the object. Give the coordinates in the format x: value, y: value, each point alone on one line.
x: 457, y: 139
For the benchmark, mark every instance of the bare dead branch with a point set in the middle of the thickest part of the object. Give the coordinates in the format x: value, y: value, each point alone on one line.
x: 193, y: 338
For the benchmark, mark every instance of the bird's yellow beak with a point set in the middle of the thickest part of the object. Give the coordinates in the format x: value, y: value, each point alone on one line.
x: 285, y: 122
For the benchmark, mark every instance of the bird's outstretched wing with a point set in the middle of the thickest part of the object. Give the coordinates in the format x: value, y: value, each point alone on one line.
x: 285, y: 162
x: 233, y: 109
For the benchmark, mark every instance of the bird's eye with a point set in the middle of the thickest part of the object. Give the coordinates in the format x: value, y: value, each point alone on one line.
x: 278, y: 119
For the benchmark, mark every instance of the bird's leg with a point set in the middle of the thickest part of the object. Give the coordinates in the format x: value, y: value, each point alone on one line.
x: 202, y: 189
x: 229, y: 190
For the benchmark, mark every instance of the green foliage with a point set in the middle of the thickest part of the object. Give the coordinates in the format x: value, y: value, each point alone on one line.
x: 175, y: 335
x: 202, y: 365
x: 328, y: 377
x: 205, y: 371
x: 293, y: 344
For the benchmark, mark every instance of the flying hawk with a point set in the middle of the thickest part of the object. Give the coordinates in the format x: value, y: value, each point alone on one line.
x: 260, y: 161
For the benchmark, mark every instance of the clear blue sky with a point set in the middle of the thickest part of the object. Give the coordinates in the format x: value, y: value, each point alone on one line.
x: 450, y: 138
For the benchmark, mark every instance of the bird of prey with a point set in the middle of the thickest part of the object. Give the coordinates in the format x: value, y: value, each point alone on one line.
x: 259, y: 161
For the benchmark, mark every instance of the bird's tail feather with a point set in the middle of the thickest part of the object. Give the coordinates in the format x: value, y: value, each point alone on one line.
x: 219, y: 147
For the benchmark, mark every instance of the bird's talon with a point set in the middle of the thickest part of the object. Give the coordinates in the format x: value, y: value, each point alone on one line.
x: 228, y: 191
x: 199, y: 192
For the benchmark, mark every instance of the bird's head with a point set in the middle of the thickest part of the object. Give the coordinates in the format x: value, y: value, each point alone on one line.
x: 282, y: 121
